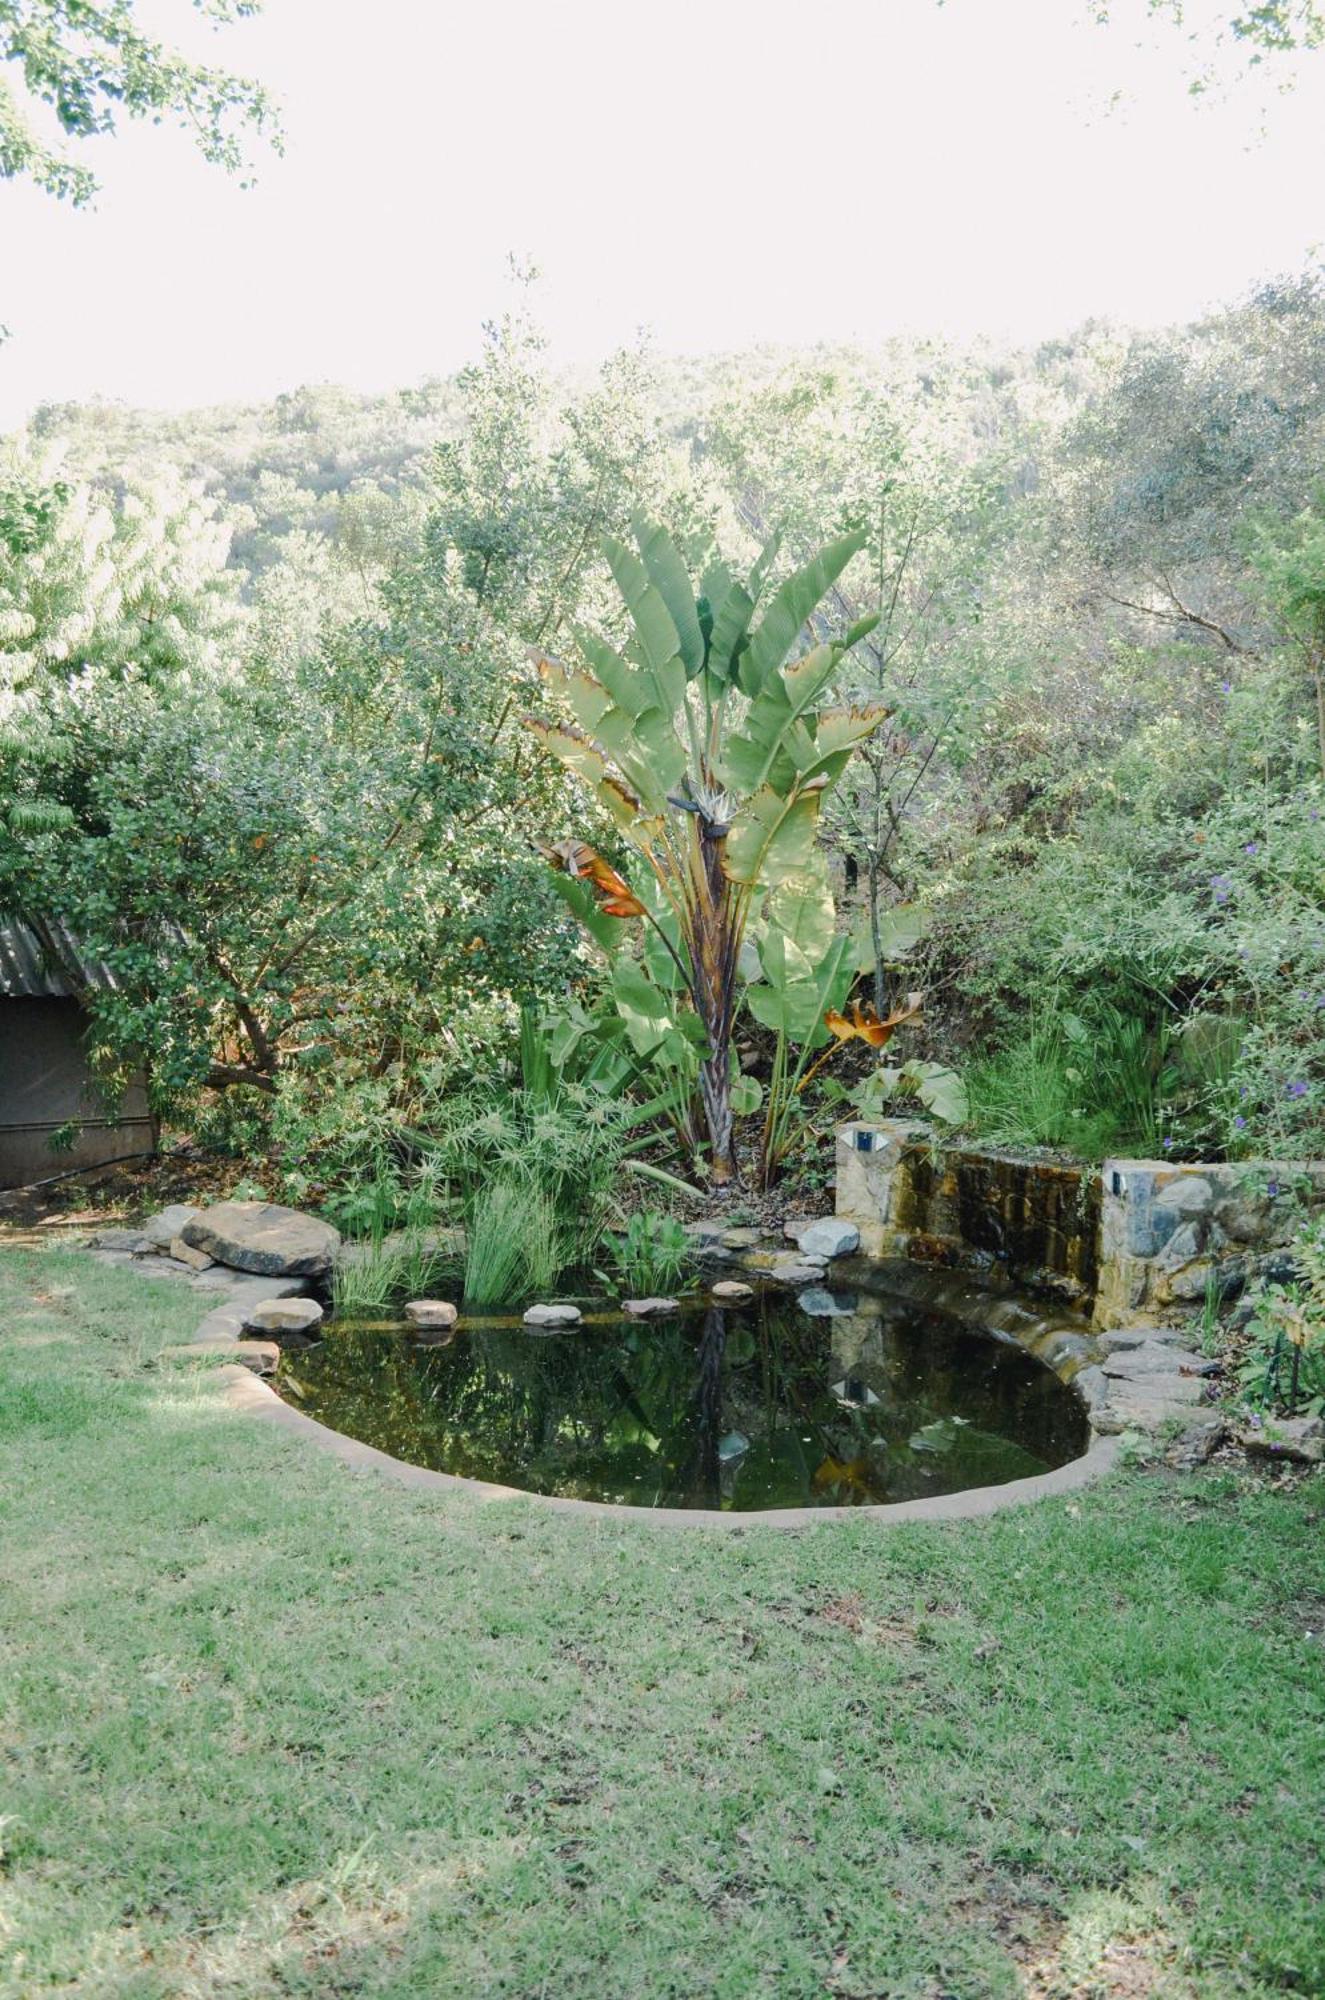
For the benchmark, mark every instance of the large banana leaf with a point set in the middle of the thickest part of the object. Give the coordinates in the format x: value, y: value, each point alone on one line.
x: 630, y: 686
x: 637, y: 734
x: 836, y: 734
x: 731, y: 622
x: 801, y: 908
x: 771, y: 838
x: 575, y: 750
x: 796, y: 991
x: 792, y: 605
x: 662, y: 559
x: 655, y: 629
x: 752, y: 757
x: 646, y: 1010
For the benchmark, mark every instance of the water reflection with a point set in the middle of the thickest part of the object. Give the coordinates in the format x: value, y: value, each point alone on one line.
x: 762, y: 1407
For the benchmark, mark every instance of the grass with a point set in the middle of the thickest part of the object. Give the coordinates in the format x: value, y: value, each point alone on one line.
x: 514, y: 1249
x: 1094, y: 1085
x: 272, y: 1728
x: 390, y: 1270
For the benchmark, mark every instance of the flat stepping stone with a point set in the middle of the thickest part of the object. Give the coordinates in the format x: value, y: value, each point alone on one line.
x: 553, y: 1316
x: 277, y: 1316
x: 649, y: 1308
x: 432, y: 1315
x: 1146, y: 1405
x: 1153, y: 1359
x: 730, y: 1292
x: 128, y: 1242
x: 796, y: 1273
x: 261, y: 1357
x: 264, y: 1238
x: 228, y: 1320
x: 741, y: 1239
x: 704, y: 1232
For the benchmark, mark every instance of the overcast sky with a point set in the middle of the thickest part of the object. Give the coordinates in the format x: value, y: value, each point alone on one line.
x: 718, y: 171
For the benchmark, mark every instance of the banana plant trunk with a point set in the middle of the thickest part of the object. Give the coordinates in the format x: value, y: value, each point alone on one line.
x: 716, y: 946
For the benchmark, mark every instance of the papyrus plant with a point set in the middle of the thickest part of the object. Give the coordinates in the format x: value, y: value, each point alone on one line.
x: 711, y: 753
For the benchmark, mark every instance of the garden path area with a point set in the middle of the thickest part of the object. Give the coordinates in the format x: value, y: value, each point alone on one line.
x: 273, y: 1728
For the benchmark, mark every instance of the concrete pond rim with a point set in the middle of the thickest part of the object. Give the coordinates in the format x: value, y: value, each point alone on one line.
x: 253, y: 1397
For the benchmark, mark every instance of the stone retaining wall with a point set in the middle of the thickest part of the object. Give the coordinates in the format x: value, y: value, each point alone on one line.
x: 912, y: 1195
x: 1135, y: 1238
x: 1169, y: 1233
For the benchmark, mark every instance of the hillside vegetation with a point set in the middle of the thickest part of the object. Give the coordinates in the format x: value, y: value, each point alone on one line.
x: 265, y: 675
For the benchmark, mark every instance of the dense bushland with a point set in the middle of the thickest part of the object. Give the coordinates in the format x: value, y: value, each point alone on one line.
x: 265, y: 678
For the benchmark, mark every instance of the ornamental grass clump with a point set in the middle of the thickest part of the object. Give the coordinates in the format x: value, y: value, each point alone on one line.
x: 515, y: 1248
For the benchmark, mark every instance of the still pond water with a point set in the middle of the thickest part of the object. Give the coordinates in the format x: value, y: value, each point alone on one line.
x: 766, y: 1406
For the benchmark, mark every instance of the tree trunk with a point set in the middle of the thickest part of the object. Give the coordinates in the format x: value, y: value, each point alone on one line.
x: 876, y: 940
x: 714, y: 997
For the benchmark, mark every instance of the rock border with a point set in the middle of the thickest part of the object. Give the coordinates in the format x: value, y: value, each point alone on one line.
x: 221, y: 1331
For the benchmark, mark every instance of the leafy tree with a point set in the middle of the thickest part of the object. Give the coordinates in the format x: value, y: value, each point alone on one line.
x: 711, y: 756
x: 279, y: 870
x: 1289, y: 557
x: 92, y: 582
x: 92, y: 65
x: 819, y: 453
x: 1236, y: 41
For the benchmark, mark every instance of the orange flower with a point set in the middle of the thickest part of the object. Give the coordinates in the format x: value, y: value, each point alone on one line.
x: 614, y: 893
x: 864, y: 1024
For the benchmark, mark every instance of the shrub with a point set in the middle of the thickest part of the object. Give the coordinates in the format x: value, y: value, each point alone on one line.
x: 648, y: 1256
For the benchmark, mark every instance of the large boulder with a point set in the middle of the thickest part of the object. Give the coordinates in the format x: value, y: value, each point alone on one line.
x: 263, y: 1237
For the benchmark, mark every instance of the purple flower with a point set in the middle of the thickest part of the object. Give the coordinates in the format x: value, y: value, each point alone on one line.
x: 1167, y: 1144
x: 1252, y: 847
x: 1239, y: 1121
x: 1272, y: 1189
x: 1227, y: 686
x: 1221, y: 886
x: 1296, y: 1089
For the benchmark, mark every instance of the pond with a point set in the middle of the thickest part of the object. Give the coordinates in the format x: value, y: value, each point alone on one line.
x: 881, y: 1399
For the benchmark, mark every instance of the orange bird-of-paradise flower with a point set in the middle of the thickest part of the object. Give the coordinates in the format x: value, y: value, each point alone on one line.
x: 615, y: 895
x: 863, y: 1023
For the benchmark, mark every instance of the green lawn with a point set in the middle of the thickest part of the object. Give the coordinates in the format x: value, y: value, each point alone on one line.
x: 269, y: 1727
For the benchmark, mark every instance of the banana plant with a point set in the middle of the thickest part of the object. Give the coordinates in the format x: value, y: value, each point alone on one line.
x: 711, y: 750
x: 802, y: 970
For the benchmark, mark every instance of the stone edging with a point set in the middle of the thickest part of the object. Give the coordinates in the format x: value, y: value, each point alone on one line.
x: 222, y: 1327
x: 246, y: 1393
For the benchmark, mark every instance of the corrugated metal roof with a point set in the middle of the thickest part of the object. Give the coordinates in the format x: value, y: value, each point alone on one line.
x: 46, y: 963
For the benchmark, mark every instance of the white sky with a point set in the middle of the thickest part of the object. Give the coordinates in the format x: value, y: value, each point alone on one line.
x: 721, y: 172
